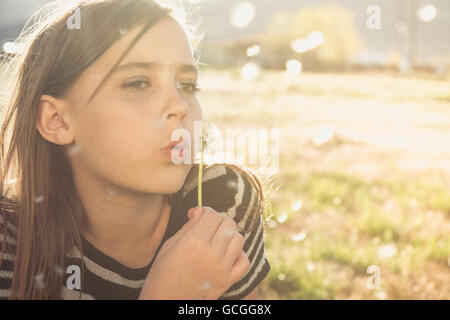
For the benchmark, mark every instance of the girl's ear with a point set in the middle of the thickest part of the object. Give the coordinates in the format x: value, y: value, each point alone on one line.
x: 53, y: 121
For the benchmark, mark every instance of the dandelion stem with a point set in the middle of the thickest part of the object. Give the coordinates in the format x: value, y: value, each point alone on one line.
x: 200, y: 173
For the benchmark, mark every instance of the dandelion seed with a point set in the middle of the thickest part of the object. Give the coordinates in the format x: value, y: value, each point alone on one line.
x: 59, y: 269
x: 232, y: 184
x: 74, y: 149
x: 310, y: 266
x: 404, y: 253
x: 230, y: 232
x: 299, y: 236
x: 38, y: 199
x: 39, y: 276
x: 387, y: 251
x: 123, y: 31
x: 205, y: 286
x: 111, y: 192
x: 282, y: 218
x: 253, y: 50
x: 324, y: 135
x: 297, y: 205
x: 14, y: 180
x: 272, y: 224
x: 281, y: 276
x: 336, y: 201
x: 380, y: 295
x: 39, y: 279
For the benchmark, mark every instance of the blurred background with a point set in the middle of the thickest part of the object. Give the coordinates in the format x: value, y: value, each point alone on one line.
x: 360, y: 93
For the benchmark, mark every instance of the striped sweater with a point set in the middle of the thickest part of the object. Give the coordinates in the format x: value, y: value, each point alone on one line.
x: 225, y: 189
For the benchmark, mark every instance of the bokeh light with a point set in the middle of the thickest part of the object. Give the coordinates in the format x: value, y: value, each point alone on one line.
x: 250, y: 71
x: 300, y: 45
x: 316, y: 38
x: 242, y: 14
x: 293, y: 67
x: 11, y: 47
x: 427, y: 13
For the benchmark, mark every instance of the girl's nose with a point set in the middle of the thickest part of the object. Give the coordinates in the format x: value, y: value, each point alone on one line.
x: 178, y: 107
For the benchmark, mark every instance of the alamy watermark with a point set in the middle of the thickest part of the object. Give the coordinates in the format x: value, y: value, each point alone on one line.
x: 374, y: 18
x: 74, y: 280
x: 244, y: 147
x: 374, y: 280
x: 74, y: 20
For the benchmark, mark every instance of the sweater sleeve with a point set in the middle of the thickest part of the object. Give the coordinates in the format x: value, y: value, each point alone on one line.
x: 230, y: 191
x: 8, y: 233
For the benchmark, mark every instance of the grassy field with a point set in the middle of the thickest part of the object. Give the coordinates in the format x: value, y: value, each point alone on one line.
x: 364, y: 180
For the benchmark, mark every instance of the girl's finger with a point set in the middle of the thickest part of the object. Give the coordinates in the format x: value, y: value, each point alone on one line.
x: 224, y: 234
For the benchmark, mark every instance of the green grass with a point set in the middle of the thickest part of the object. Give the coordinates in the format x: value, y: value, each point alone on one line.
x: 385, y: 214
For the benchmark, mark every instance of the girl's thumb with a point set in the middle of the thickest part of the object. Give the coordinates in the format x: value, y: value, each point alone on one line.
x: 195, y: 212
x: 193, y: 215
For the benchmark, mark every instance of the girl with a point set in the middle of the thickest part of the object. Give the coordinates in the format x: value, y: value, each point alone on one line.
x: 92, y: 207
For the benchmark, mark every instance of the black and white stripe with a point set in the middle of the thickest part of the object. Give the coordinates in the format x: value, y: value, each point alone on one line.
x: 224, y: 189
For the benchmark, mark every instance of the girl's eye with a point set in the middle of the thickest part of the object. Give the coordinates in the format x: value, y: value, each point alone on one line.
x: 189, y: 87
x: 138, y: 85
x: 141, y: 85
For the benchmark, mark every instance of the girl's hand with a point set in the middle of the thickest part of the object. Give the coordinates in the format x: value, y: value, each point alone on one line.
x: 201, y: 261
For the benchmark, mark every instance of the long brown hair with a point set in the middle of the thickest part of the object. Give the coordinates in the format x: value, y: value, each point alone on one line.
x: 36, y: 182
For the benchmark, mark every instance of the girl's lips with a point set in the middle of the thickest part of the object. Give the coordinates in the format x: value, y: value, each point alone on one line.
x: 173, y: 144
x: 168, y: 151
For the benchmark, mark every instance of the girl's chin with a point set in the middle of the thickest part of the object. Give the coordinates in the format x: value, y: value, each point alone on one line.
x: 177, y: 175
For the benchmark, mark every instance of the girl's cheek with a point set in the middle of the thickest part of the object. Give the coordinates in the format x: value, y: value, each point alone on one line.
x: 158, y: 123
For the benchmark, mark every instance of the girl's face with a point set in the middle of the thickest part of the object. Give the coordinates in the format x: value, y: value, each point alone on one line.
x: 119, y: 134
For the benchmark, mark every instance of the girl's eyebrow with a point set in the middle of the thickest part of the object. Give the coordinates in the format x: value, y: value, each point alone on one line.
x: 181, y: 68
